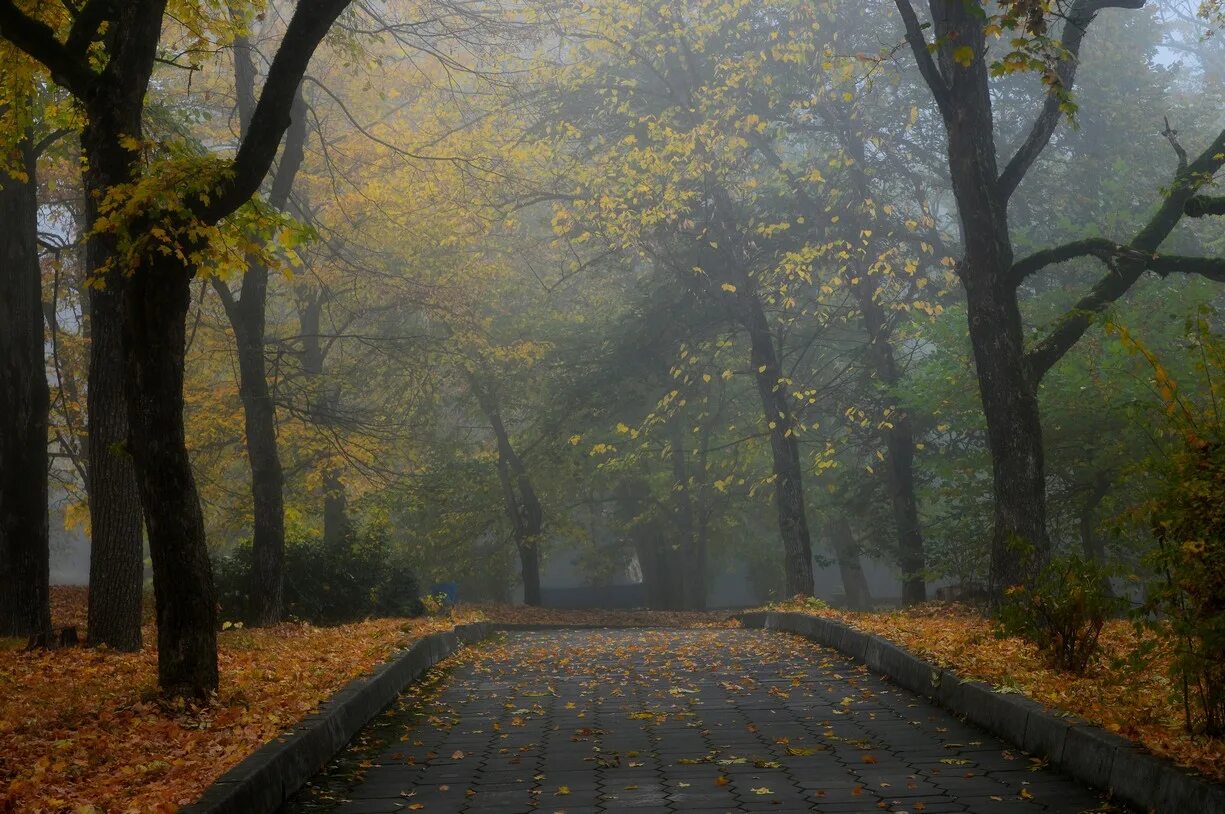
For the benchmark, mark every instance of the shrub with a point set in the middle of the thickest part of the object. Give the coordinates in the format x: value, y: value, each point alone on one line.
x: 1062, y: 612
x: 1187, y: 599
x: 358, y: 578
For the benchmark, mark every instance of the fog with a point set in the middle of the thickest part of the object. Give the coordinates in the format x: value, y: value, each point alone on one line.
x: 681, y: 305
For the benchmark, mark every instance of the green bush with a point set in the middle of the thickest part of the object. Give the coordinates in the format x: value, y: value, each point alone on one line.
x: 1062, y: 612
x: 1187, y: 599
x: 356, y: 579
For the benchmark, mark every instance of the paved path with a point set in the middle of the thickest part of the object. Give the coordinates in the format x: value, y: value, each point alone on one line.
x: 675, y: 720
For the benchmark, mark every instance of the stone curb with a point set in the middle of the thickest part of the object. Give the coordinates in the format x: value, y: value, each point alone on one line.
x: 270, y: 775
x: 530, y: 626
x: 1085, y: 752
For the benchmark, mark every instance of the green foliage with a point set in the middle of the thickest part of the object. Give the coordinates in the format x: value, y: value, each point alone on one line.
x: 1186, y: 600
x: 325, y: 584
x: 1063, y: 611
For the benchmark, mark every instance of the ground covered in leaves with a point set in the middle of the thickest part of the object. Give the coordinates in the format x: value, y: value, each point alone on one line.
x: 524, y: 615
x: 1125, y: 695
x: 698, y: 720
x: 83, y: 731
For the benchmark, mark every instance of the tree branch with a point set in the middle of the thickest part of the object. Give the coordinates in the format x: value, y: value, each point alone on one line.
x: 271, y: 117
x: 1140, y: 254
x: 923, y: 58
x: 86, y: 25
x: 37, y: 40
x: 1099, y: 247
x: 1200, y: 206
x: 1078, y: 20
x: 1211, y: 267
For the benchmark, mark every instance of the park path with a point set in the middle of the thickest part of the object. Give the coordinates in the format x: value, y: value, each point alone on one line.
x: 649, y: 720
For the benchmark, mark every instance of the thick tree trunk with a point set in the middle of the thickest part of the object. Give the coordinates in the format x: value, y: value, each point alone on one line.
x: 1019, y: 542
x: 646, y: 535
x: 116, y: 555
x: 854, y: 583
x: 157, y: 299
x: 784, y: 449
x: 24, y: 403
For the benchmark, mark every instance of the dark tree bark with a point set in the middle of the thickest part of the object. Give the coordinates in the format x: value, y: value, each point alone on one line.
x: 116, y: 555
x: 246, y: 313
x: 157, y: 294
x: 523, y: 508
x: 846, y: 551
x: 157, y: 299
x: 1007, y: 377
x: 25, y: 608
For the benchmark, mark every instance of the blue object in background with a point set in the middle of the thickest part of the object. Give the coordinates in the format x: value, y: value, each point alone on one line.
x: 450, y: 590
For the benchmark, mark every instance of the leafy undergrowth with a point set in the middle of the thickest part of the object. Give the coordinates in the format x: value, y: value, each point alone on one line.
x: 524, y: 615
x: 1117, y: 693
x: 83, y: 731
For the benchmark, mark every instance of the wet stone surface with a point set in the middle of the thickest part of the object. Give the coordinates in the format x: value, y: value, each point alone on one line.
x: 675, y: 720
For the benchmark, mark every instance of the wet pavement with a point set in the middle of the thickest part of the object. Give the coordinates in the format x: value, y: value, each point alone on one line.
x: 644, y: 720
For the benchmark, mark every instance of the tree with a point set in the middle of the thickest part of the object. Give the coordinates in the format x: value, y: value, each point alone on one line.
x: 24, y: 399
x: 152, y: 251
x: 956, y: 69
x: 246, y: 312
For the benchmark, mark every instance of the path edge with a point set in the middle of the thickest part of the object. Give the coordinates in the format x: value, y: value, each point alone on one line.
x: 1088, y: 753
x: 273, y: 773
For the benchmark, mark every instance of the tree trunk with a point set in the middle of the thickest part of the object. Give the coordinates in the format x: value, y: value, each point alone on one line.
x: 522, y: 506
x: 854, y: 583
x: 116, y: 554
x: 157, y: 299
x: 267, y: 479
x: 784, y: 448
x: 1091, y: 544
x: 24, y: 404
x: 336, y: 527
x: 1019, y: 541
x: 247, y: 318
x: 900, y: 445
x: 691, y: 573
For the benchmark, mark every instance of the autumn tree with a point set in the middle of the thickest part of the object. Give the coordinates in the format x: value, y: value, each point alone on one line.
x: 149, y: 248
x: 24, y: 395
x: 956, y: 66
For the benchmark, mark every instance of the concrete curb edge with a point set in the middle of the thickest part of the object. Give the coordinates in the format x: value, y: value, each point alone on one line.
x: 275, y: 771
x: 1081, y: 750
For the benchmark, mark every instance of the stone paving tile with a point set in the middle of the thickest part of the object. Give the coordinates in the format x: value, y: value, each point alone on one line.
x: 701, y: 721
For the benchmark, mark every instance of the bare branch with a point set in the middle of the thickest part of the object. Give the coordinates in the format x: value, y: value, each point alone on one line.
x: 271, y: 117
x: 923, y: 58
x: 1171, y: 135
x: 1201, y: 206
x: 1079, y: 18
